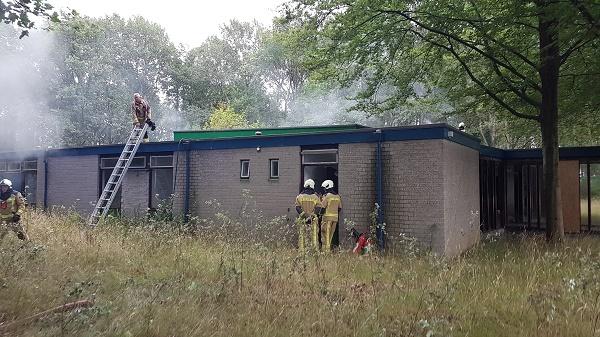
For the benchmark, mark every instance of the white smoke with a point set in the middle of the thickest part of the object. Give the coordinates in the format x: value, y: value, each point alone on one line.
x: 24, y: 79
x: 328, y: 107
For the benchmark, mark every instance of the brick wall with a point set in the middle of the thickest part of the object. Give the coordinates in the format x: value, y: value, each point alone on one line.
x: 413, y: 191
x: 461, y: 198
x: 357, y: 181
x: 215, y: 174
x: 134, y: 192
x: 73, y: 182
x: 421, y: 198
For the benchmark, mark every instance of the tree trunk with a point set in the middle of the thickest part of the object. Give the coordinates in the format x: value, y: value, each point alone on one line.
x: 549, y: 72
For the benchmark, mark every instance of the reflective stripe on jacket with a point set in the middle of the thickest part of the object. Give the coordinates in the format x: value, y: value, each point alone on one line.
x: 332, y: 203
x: 14, y: 204
x: 308, y: 203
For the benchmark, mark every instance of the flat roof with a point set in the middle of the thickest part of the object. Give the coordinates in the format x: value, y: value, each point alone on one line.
x: 234, y: 133
x: 326, y: 136
x: 570, y: 152
x: 305, y: 136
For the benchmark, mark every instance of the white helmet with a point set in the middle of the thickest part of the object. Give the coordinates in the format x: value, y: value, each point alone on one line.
x: 6, y: 182
x: 309, y: 183
x: 327, y: 184
x: 461, y: 126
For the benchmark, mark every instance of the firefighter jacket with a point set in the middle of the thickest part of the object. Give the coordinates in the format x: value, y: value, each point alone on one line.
x: 332, y: 203
x: 11, y: 202
x: 308, y: 202
x: 140, y: 111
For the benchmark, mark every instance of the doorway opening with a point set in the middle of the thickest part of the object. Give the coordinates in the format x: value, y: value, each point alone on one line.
x: 320, y: 164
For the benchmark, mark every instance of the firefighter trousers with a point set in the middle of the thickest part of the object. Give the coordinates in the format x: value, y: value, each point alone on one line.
x: 304, y: 222
x: 327, y: 230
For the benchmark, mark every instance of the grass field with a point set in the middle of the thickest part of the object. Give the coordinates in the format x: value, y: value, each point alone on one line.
x: 159, y: 282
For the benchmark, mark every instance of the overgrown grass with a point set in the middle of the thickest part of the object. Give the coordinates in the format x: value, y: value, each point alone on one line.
x: 160, y: 282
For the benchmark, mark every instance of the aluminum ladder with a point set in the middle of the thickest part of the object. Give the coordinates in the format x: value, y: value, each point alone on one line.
x: 116, y: 178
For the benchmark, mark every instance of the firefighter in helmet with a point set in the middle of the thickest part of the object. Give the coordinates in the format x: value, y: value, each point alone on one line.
x: 12, y: 207
x: 332, y: 204
x: 141, y: 114
x: 308, y: 206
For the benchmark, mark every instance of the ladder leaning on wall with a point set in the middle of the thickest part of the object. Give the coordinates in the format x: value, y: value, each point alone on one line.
x: 116, y: 178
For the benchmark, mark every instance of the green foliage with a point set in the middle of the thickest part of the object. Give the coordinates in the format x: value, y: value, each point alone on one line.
x: 225, y: 70
x: 224, y: 117
x: 482, y: 58
x: 105, y: 61
x: 18, y: 12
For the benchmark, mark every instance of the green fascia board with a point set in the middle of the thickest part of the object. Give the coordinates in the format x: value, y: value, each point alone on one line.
x: 234, y: 133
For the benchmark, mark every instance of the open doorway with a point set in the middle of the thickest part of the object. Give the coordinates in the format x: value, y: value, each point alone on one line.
x: 320, y: 164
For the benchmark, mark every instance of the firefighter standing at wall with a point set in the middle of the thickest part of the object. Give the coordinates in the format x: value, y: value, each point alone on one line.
x: 332, y: 204
x: 141, y: 114
x: 12, y: 207
x: 307, y: 206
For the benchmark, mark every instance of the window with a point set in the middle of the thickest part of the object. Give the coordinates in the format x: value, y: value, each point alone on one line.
x: 14, y: 166
x: 161, y: 161
x: 319, y: 156
x: 30, y: 186
x: 583, y: 195
x: 273, y: 168
x: 244, y: 168
x: 30, y: 165
x: 2, y: 165
x: 109, y: 163
x: 589, y: 183
x: 162, y: 186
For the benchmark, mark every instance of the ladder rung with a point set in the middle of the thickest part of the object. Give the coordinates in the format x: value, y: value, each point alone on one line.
x: 119, y: 170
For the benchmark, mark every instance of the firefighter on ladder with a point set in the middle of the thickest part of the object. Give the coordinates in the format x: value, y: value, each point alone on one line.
x: 332, y: 204
x: 141, y: 114
x: 12, y: 207
x: 308, y: 206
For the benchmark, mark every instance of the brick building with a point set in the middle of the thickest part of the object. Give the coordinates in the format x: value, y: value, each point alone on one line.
x: 434, y: 183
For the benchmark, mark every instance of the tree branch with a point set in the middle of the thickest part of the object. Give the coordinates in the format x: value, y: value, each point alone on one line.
x: 464, y: 43
x: 473, y: 23
x: 489, y: 92
x: 517, y: 91
x: 587, y: 15
x: 576, y: 46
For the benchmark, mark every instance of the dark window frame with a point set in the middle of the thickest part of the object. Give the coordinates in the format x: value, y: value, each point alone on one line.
x: 131, y: 167
x: 242, y: 162
x: 271, y: 175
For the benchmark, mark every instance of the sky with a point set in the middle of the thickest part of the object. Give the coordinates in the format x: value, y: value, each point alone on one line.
x: 186, y: 22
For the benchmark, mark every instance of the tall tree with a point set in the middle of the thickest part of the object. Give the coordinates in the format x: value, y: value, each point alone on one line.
x: 225, y: 70
x: 18, y: 12
x: 281, y: 61
x: 511, y: 51
x: 103, y: 62
x: 224, y: 117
